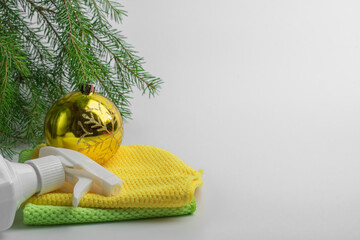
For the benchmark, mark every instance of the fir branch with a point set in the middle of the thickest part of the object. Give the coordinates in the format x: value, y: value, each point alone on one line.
x: 40, y: 11
x: 3, y: 85
x: 120, y: 61
x: 7, y: 12
x: 100, y: 17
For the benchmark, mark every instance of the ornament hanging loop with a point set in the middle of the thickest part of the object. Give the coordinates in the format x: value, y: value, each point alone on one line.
x: 87, y: 88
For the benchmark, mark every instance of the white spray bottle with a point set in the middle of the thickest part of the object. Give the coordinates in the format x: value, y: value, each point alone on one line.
x: 49, y: 172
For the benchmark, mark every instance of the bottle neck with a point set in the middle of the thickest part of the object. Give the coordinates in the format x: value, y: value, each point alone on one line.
x: 50, y: 173
x: 25, y: 180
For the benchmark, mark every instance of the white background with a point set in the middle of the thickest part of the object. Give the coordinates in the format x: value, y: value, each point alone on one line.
x: 262, y: 95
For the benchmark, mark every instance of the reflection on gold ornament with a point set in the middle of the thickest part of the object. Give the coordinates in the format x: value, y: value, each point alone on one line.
x: 87, y: 122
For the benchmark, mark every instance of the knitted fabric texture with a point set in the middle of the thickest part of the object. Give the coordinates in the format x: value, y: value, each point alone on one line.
x: 48, y: 215
x: 152, y: 178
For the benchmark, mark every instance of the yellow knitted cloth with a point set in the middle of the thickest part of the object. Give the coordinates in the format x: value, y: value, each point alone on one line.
x: 152, y: 178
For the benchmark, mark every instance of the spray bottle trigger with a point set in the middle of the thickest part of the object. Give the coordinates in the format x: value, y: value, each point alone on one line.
x: 82, y: 186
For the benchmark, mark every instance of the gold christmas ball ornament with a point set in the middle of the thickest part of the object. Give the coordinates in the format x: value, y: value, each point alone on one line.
x: 86, y: 122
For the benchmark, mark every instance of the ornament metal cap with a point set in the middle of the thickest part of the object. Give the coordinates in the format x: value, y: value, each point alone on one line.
x: 87, y: 88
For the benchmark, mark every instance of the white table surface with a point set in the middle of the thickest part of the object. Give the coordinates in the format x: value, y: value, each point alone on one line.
x: 262, y: 95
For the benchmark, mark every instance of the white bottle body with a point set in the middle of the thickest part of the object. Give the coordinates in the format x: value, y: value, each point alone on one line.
x: 18, y: 182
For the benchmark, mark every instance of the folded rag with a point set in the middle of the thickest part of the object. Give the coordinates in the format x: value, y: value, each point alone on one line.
x: 49, y: 215
x: 156, y: 184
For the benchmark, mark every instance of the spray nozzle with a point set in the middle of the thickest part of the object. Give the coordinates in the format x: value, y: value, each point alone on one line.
x: 53, y: 168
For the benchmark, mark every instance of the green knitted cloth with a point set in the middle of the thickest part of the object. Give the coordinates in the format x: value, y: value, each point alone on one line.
x: 49, y: 215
